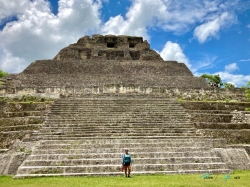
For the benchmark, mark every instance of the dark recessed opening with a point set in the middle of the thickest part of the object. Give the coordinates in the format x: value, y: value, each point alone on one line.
x: 131, y: 45
x: 110, y: 45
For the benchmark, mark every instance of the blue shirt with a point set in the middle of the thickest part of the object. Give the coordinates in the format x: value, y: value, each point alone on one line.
x: 126, y: 158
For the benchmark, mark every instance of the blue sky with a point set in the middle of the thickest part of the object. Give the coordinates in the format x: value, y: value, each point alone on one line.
x: 209, y: 36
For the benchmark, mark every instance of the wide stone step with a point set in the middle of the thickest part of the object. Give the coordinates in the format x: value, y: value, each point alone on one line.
x: 212, y: 171
x: 117, y: 150
x: 21, y: 127
x: 121, y: 106
x: 21, y: 121
x: 22, y: 114
x: 209, y: 111
x: 216, y: 118
x: 107, y: 161
x: 118, y: 126
x: 155, y: 155
x: 120, y: 119
x: 99, y: 126
x: 117, y: 115
x: 62, y: 137
x: 130, y: 104
x: 98, y: 142
x: 131, y: 145
x: 117, y: 120
x: 119, y: 109
x: 117, y: 100
x: 197, y: 140
x: 117, y: 168
x: 114, y: 134
x: 170, y: 124
x: 113, y: 121
x: 210, y: 125
x: 118, y: 129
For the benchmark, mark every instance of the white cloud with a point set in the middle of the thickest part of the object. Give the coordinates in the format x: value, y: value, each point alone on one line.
x: 206, y: 62
x: 8, y: 62
x: 231, y: 67
x: 11, y: 8
x: 39, y: 34
x: 174, y: 16
x: 245, y: 60
x: 211, y: 28
x: 180, y: 17
x: 172, y: 51
x: 239, y: 80
x: 248, y: 26
x: 140, y: 15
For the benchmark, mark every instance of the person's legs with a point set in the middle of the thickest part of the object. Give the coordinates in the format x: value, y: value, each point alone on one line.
x: 129, y: 170
x: 126, y: 171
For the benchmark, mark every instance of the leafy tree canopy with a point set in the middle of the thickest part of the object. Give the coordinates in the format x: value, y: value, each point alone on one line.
x: 229, y: 85
x: 3, y: 74
x: 214, y: 79
x: 247, y: 87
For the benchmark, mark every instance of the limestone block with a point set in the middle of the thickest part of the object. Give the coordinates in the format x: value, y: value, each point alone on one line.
x: 235, y: 158
x: 10, y: 163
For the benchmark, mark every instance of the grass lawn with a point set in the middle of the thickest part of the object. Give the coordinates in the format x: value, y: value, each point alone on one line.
x: 237, y: 179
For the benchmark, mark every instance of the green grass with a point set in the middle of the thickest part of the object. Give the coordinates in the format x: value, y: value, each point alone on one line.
x: 135, y: 181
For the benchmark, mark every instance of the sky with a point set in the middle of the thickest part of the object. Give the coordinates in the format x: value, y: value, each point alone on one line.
x: 209, y: 36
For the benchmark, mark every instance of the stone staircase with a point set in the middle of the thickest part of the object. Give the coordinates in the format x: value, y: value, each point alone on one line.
x: 87, y: 136
x: 221, y: 120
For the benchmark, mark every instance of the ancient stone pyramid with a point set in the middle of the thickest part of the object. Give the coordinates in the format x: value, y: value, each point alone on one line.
x: 104, y: 60
x: 85, y: 134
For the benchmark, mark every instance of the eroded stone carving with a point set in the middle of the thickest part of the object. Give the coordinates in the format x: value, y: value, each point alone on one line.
x: 109, y: 47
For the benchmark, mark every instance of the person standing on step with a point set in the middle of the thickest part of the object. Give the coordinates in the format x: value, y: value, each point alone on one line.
x: 126, y: 163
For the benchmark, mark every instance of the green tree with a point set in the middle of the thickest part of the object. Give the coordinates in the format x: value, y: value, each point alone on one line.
x: 213, y: 79
x: 229, y: 85
x: 3, y: 74
x: 247, y: 90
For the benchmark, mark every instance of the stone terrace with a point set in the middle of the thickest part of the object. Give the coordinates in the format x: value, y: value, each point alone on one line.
x: 221, y: 120
x: 97, y: 73
x: 104, y: 60
x: 19, y: 119
x: 86, y: 136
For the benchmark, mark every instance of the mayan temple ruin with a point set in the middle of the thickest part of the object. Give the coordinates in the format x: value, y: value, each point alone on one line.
x: 75, y: 114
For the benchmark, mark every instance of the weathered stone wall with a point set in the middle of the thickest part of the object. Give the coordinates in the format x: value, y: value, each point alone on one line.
x: 221, y: 120
x: 92, y: 67
x: 209, y: 94
x: 209, y: 106
x: 20, y: 116
x: 109, y: 47
x: 11, y: 159
x: 19, y: 119
x: 236, y: 158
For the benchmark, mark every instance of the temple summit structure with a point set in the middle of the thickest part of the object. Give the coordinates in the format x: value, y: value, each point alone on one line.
x: 105, y: 60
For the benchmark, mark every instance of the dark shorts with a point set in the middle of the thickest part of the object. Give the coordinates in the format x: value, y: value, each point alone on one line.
x: 127, y: 164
